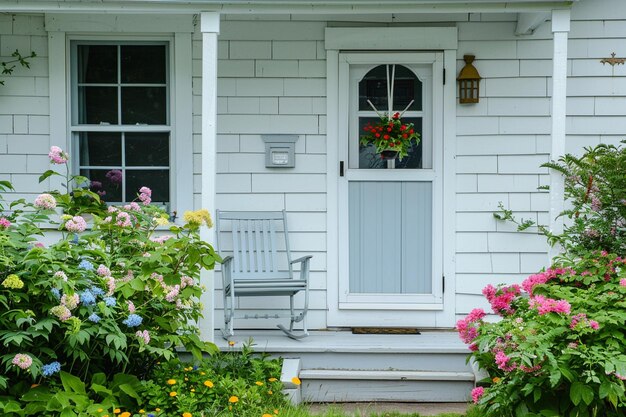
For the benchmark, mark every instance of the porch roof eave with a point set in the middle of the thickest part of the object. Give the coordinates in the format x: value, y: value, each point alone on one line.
x: 285, y: 6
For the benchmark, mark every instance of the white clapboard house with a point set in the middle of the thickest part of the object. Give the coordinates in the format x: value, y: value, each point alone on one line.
x: 180, y: 95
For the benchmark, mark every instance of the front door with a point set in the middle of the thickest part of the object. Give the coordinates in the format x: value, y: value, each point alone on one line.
x: 390, y: 210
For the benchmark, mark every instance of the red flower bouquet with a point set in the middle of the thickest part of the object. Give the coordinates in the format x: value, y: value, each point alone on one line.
x: 391, y: 134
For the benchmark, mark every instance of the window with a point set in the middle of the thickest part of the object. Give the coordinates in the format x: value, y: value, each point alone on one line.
x: 120, y: 124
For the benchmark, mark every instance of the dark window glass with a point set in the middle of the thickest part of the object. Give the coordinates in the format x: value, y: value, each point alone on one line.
x: 97, y: 105
x: 97, y: 64
x: 158, y: 180
x: 147, y: 149
x: 407, y: 87
x: 143, y: 64
x: 100, y: 149
x: 106, y: 182
x: 144, y: 105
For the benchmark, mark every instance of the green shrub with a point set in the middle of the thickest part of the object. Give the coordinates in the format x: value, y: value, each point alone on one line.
x: 115, y: 298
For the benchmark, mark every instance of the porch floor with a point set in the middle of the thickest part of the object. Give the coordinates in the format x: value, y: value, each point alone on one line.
x: 343, y: 341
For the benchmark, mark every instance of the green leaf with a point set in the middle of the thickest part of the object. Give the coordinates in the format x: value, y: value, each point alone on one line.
x: 128, y: 389
x: 588, y: 394
x: 47, y: 175
x: 72, y: 383
x: 576, y: 392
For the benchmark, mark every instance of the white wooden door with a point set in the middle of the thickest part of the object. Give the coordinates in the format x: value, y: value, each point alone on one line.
x: 390, y: 212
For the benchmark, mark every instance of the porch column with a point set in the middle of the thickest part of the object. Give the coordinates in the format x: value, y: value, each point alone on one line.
x: 210, y: 27
x: 560, y: 29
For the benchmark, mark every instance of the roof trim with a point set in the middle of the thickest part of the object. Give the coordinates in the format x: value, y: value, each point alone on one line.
x: 284, y: 6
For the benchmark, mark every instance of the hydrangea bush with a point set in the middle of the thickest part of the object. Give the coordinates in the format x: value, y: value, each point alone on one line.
x: 559, y: 347
x: 117, y: 296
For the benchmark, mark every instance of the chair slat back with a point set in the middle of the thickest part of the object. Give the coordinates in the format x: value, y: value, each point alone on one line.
x: 255, y: 249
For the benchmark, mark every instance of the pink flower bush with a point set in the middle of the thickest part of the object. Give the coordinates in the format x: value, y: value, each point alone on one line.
x: 57, y: 156
x: 61, y: 275
x: 622, y: 282
x: 70, y: 301
x: 501, y: 298
x: 76, y: 224
x: 103, y: 271
x: 45, y: 201
x: 144, y: 335
x: 477, y: 393
x: 541, y: 278
x: 4, y: 223
x: 131, y: 307
x: 468, y: 327
x: 22, y: 360
x: 548, y: 305
x: 580, y: 321
x: 504, y: 362
x: 123, y: 219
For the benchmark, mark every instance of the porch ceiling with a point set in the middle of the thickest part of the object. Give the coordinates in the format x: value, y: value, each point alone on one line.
x: 285, y: 6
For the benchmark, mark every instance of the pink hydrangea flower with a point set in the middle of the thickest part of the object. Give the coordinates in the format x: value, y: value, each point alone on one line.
x: 172, y: 293
x: 62, y: 312
x: 132, y: 207
x: 145, y: 190
x: 45, y: 201
x: 103, y: 271
x: 22, y: 360
x: 477, y: 393
x: 145, y: 195
x: 131, y: 307
x: 115, y: 176
x: 70, y: 301
x: 61, y: 275
x: 110, y: 281
x: 4, y: 223
x: 186, y: 281
x: 123, y: 220
x: 76, y: 224
x: 622, y: 282
x: 144, y: 335
x: 57, y: 156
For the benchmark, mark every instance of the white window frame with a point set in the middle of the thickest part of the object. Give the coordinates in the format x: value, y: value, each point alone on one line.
x: 422, y: 39
x: 76, y: 128
x: 178, y: 33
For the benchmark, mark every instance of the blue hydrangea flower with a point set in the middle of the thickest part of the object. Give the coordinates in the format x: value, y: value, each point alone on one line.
x: 51, y: 368
x: 94, y: 318
x: 133, y: 320
x: 87, y: 298
x: 56, y: 293
x: 86, y: 265
x: 109, y: 301
x: 96, y: 291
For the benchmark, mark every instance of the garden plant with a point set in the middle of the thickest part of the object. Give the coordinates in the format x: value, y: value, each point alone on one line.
x: 559, y: 347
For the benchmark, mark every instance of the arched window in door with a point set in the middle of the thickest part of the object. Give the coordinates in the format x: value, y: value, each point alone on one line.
x: 407, y: 87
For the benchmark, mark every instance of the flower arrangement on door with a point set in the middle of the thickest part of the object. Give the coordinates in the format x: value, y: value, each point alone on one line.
x: 391, y: 136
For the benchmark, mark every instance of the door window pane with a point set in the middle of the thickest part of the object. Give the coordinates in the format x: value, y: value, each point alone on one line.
x: 406, y: 87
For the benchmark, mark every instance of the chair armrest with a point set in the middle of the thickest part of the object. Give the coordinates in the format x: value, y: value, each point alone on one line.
x: 302, y: 259
x: 227, y: 259
x: 226, y: 271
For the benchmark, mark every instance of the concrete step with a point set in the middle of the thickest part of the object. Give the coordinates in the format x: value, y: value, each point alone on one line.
x: 323, y: 385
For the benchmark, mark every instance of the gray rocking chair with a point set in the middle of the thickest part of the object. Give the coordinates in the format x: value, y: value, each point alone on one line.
x: 253, y: 271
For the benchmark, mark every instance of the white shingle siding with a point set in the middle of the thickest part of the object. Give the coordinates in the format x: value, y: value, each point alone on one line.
x: 24, y: 105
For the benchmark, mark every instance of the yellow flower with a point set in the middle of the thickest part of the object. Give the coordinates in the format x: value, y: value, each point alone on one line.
x: 496, y: 380
x: 296, y: 380
x: 202, y: 373
x: 270, y: 392
x: 231, y: 343
x: 208, y: 384
x: 171, y: 381
x: 198, y: 218
x: 100, y: 410
x: 186, y: 379
x: 157, y: 409
x: 142, y: 411
x: 233, y: 399
x: 275, y: 411
x: 13, y: 281
x: 173, y: 394
x: 193, y: 390
x: 106, y: 415
x: 186, y: 414
x: 117, y: 411
x: 267, y: 415
x: 272, y: 379
x: 125, y: 414
x: 259, y: 383
x: 161, y: 221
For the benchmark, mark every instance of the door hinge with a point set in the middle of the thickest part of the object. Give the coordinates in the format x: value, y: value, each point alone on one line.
x: 444, y: 76
x: 341, y: 168
x: 443, y: 284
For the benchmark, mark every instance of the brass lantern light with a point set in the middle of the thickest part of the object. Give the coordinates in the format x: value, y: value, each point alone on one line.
x: 469, y: 81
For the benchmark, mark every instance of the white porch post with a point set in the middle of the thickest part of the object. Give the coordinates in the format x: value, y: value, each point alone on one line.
x: 560, y: 29
x: 210, y: 27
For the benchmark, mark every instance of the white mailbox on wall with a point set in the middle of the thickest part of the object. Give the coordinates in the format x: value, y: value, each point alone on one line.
x: 280, y: 151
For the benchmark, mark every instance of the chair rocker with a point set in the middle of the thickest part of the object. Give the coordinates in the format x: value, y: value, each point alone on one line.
x: 253, y: 270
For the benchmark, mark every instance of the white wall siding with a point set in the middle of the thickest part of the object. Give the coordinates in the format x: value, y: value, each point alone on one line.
x: 24, y: 106
x: 272, y: 81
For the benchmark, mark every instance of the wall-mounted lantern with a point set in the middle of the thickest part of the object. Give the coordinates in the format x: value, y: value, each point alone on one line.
x: 469, y: 81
